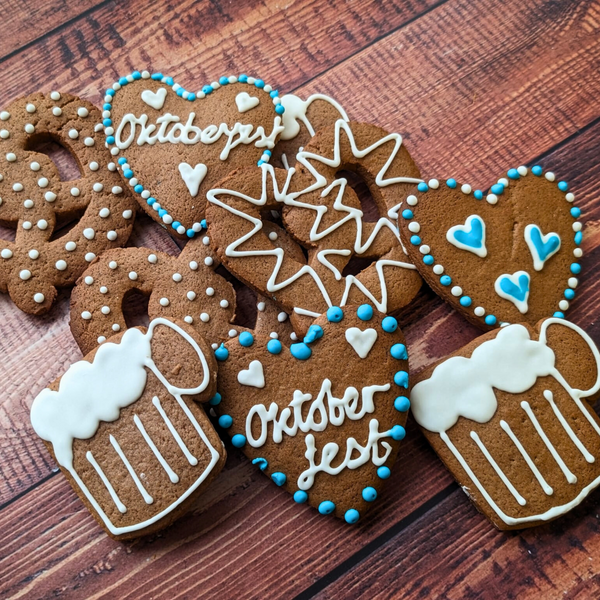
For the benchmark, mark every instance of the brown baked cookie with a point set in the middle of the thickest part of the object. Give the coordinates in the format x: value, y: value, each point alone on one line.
x: 124, y: 426
x: 173, y: 145
x: 35, y: 201
x: 507, y: 256
x: 301, y: 120
x: 323, y: 214
x: 327, y: 435
x: 511, y: 416
x: 185, y: 287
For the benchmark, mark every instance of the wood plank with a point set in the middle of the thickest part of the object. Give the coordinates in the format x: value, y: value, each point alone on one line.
x: 452, y: 552
x: 28, y: 20
x: 196, y: 42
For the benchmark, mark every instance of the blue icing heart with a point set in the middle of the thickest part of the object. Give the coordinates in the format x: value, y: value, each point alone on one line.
x: 519, y: 292
x: 473, y: 237
x: 542, y: 247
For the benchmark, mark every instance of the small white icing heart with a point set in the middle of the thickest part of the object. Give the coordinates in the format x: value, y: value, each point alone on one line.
x: 253, y: 376
x: 193, y: 177
x: 361, y: 341
x: 155, y: 99
x: 245, y: 101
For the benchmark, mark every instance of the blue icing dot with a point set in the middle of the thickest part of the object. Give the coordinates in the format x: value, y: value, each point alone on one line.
x: 110, y: 92
x: 280, y: 109
x: 578, y: 237
x: 335, y: 314
x: 369, y: 494
x: 428, y: 259
x: 415, y: 240
x: 445, y: 280
x: 407, y: 214
x: 107, y: 122
x: 478, y: 194
x: 398, y: 432
x: 563, y: 186
x: 207, y: 89
x: 179, y: 92
x: 170, y: 81
x: 513, y: 174
x: 364, y: 312
x: 246, y: 339
x: 490, y: 320
x: 136, y: 75
x: 190, y: 233
x: 300, y: 497
x: 191, y: 97
x: 383, y: 472
x: 110, y: 139
x: 223, y: 80
x: 279, y: 478
x: 300, y: 351
x: 151, y: 201
x: 398, y: 351
x: 162, y: 212
x: 569, y: 294
x: 260, y: 162
x: 314, y: 333
x: 351, y: 516
x: 401, y: 379
x: 401, y: 403
x: 128, y: 174
x: 203, y: 224
x: 274, y: 346
x: 216, y: 399
x: 123, y: 81
x: 156, y: 76
x: 139, y: 188
x: 274, y: 93
x: 422, y: 187
x: 221, y: 353
x: 267, y: 152
x: 261, y: 462
x: 175, y: 224
x: 537, y: 170
x: 238, y: 440
x: 451, y: 183
x: 389, y: 324
x: 326, y: 507
x: 259, y: 83
x: 559, y: 315
x: 497, y: 188
x: 122, y: 160
x: 465, y: 301
x: 225, y: 421
x: 575, y: 212
x: 575, y: 268
x: 243, y: 78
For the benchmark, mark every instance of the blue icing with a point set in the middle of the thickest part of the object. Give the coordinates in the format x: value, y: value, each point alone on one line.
x: 472, y: 238
x: 383, y: 472
x: 465, y: 301
x: 519, y: 292
x: 225, y: 421
x: 398, y: 432
x: 445, y: 280
x: 326, y: 507
x: 451, y: 183
x: 513, y: 174
x: 537, y: 170
x: 401, y: 403
x: 274, y: 346
x: 335, y: 314
x: 428, y: 259
x: 238, y: 440
x: 364, y: 312
x: 369, y: 494
x: 569, y: 294
x: 398, y: 351
x: 422, y: 187
x: 351, y: 516
x: 221, y: 353
x: 401, y: 379
x: 216, y: 399
x: 543, y: 249
x: 490, y: 320
x: 578, y: 237
x: 261, y: 463
x: 279, y: 478
x: 314, y: 333
x: 300, y: 497
x: 563, y: 186
x: 246, y: 339
x: 575, y: 268
x: 389, y: 324
x: 300, y: 351
x: 497, y: 188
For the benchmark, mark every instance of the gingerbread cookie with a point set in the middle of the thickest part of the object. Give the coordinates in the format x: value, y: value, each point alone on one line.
x: 301, y: 120
x: 511, y: 416
x: 327, y: 435
x: 324, y: 214
x: 507, y: 256
x: 185, y: 287
x: 126, y: 431
x: 173, y: 145
x: 35, y: 201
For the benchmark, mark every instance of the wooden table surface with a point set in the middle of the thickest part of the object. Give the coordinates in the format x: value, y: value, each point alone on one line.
x: 475, y: 87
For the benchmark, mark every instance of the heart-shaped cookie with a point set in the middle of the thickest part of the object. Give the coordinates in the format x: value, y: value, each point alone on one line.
x: 324, y: 417
x: 505, y: 257
x: 173, y: 145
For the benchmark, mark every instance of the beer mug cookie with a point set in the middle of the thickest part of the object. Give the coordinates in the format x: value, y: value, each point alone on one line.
x: 36, y: 202
x: 124, y: 426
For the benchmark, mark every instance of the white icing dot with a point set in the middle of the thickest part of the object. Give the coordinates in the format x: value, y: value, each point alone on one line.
x: 570, y: 197
x: 114, y: 151
x: 89, y: 233
x: 503, y: 181
x: 98, y: 187
x: 210, y: 291
x: 111, y: 235
x: 573, y: 282
x: 438, y: 269
x: 11, y: 157
x: 577, y: 226
x: 204, y: 317
x: 34, y: 254
x: 25, y: 274
x: 273, y: 236
x: 479, y: 311
x: 61, y: 265
x: 434, y: 184
x: 208, y: 261
x: 127, y: 214
x: 550, y: 176
x: 563, y: 305
x: 112, y: 264
x: 42, y: 224
x: 465, y: 188
x: 274, y: 335
x: 424, y: 249
x: 293, y: 336
x: 101, y: 339
x: 4, y: 134
x: 27, y: 225
x: 73, y: 134
x: 177, y: 277
x: 194, y: 265
x: 43, y: 182
x: 232, y: 333
x: 50, y: 196
x: 412, y: 200
x: 164, y: 302
x: 105, y: 310
x: 205, y: 240
x: 94, y: 166
x: 83, y: 112
x: 57, y: 111
x: 578, y: 252
x: 39, y: 297
x: 152, y: 258
x: 55, y: 96
x: 167, y: 219
x: 18, y: 187
x: 191, y: 295
x: 29, y: 128
x: 88, y: 141
x: 70, y: 246
x: 28, y: 204
x: 223, y: 303
x: 35, y: 166
x: 492, y: 198
x: 117, y: 189
x: 133, y: 182
x: 456, y: 291
x: 261, y: 306
x: 116, y: 327
x: 89, y: 280
x: 133, y: 275
x: 4, y: 115
x: 282, y: 316
x: 522, y: 170
x: 6, y: 253
x: 104, y: 290
x: 86, y: 314
x: 75, y: 192
x: 189, y: 319
x: 414, y: 227
x: 30, y: 108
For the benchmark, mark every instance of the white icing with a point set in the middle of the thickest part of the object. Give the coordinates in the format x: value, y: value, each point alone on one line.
x: 111, y: 490
x: 164, y: 464
x: 538, y: 262
x: 155, y: 99
x: 295, y: 112
x: 253, y: 376
x: 192, y: 176
x: 521, y: 304
x: 134, y: 476
x: 361, y: 341
x: 245, y: 102
x: 466, y: 228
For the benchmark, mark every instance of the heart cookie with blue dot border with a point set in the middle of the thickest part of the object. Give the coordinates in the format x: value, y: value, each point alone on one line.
x: 508, y: 256
x: 323, y: 418
x: 172, y: 145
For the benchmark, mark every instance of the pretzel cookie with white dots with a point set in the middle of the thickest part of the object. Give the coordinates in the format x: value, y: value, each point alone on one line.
x: 35, y: 201
x: 184, y: 287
